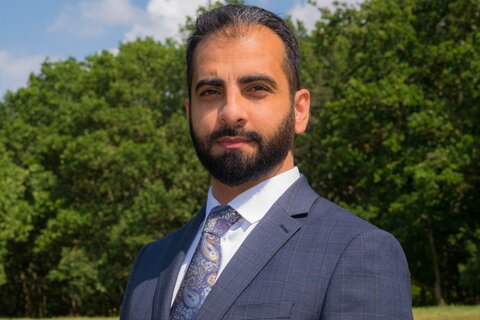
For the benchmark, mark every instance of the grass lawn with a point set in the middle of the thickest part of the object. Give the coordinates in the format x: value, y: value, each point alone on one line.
x: 447, y: 313
x: 428, y: 313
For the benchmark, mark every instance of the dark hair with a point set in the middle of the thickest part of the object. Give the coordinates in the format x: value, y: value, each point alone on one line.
x: 234, y: 18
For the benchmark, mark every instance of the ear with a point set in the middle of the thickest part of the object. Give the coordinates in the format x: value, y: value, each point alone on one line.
x: 302, y: 110
x: 187, y: 107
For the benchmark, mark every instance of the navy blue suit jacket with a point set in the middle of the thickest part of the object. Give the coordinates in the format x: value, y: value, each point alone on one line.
x: 306, y: 259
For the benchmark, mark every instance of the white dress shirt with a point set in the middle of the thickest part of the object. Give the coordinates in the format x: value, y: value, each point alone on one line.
x: 252, y: 205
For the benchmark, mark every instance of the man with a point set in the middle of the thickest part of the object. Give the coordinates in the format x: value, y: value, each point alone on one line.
x: 265, y: 245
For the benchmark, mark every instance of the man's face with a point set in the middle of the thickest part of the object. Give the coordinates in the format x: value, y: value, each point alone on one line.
x: 242, y: 121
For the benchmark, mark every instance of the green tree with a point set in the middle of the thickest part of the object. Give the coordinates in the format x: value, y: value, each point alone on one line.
x: 97, y: 163
x: 15, y: 212
x: 394, y: 137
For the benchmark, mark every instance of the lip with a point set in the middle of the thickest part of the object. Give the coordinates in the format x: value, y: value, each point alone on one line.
x: 232, y: 142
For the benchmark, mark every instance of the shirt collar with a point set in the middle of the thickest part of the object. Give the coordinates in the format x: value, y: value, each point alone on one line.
x: 253, y: 204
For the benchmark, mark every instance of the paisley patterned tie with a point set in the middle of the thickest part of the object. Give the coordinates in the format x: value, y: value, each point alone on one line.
x: 202, y: 272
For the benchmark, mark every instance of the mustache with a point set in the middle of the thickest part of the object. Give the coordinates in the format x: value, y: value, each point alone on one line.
x: 234, y: 132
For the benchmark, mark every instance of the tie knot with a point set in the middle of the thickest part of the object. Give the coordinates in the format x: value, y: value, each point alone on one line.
x: 220, y: 219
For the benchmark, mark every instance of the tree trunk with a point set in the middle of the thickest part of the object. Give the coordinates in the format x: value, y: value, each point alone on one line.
x: 436, y: 270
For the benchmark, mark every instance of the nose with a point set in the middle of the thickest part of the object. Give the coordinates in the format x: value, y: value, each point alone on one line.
x: 233, y: 111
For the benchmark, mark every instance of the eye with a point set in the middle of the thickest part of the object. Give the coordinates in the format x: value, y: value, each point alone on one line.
x: 258, y: 88
x: 209, y: 92
x: 258, y: 91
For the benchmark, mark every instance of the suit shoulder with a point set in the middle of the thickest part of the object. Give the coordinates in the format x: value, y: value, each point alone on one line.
x: 335, y: 222
x: 164, y: 242
x: 301, y: 198
x: 350, y: 229
x: 332, y: 213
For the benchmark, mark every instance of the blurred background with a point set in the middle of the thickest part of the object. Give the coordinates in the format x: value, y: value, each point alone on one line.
x: 95, y: 155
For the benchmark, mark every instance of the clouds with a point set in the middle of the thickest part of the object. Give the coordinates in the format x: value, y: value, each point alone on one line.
x: 306, y: 13
x: 163, y: 19
x: 94, y: 18
x: 309, y: 14
x: 14, y: 71
x: 160, y: 19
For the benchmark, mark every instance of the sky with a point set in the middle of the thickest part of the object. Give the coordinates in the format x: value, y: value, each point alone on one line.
x: 32, y: 31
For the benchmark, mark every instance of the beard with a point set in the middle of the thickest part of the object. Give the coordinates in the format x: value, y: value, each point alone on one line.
x: 235, y: 168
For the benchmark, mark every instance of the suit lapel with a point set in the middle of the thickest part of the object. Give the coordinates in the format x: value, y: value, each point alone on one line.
x: 173, y: 261
x: 272, y: 232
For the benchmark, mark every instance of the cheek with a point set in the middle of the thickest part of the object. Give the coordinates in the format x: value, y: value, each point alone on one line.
x: 203, y: 123
x: 268, y: 119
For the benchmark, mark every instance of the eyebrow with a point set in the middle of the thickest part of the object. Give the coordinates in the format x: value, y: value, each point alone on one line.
x: 215, y: 82
x: 258, y: 77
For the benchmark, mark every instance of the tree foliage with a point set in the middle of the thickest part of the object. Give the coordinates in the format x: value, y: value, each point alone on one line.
x: 395, y: 136
x: 95, y: 155
x: 95, y: 163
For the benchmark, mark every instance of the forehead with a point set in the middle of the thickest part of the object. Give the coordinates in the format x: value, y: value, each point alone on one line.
x: 244, y: 50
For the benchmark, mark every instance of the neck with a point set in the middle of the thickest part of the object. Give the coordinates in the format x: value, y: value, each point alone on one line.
x: 225, y: 193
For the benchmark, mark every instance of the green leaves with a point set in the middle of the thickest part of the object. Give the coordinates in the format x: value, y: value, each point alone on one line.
x: 395, y: 138
x: 95, y: 162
